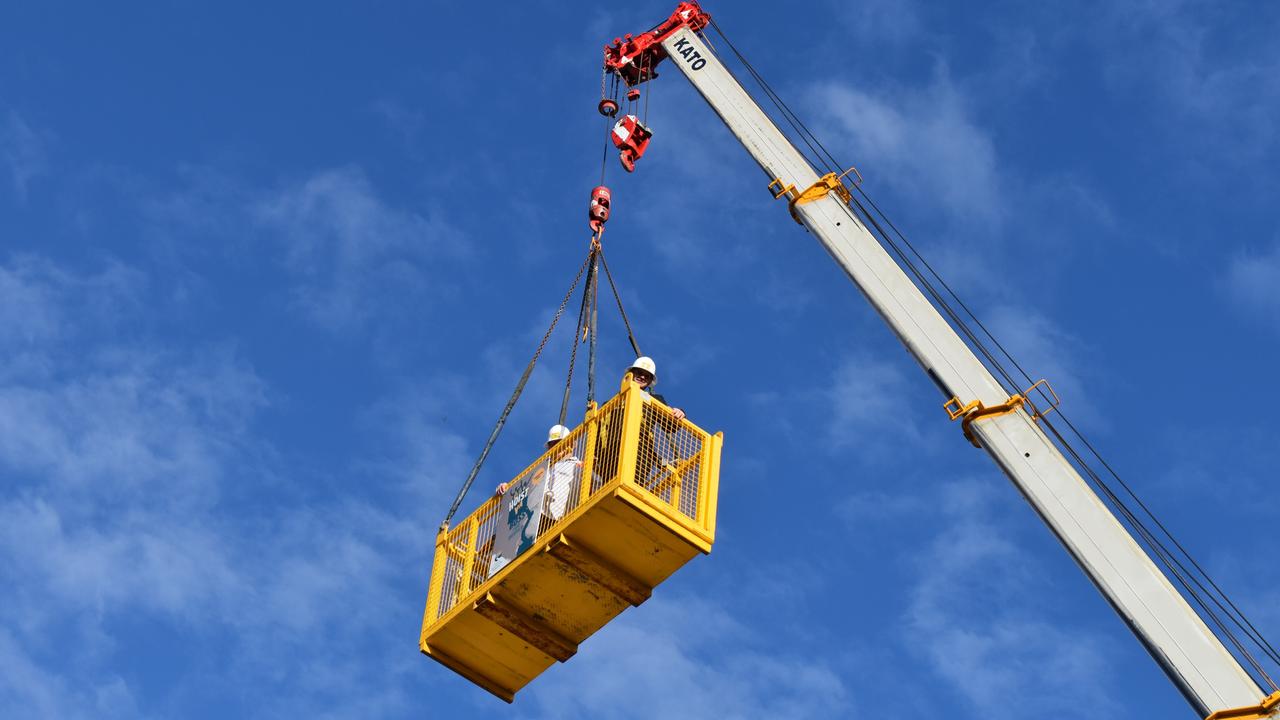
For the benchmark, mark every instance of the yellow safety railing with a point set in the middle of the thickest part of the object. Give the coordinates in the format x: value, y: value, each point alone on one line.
x: 631, y: 439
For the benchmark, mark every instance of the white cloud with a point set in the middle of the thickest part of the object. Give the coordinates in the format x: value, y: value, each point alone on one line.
x: 22, y: 151
x: 684, y: 657
x: 865, y: 398
x: 891, y: 22
x: 125, y: 511
x: 921, y: 142
x: 428, y: 458
x: 1227, y: 84
x: 1047, y: 351
x: 28, y: 690
x: 349, y: 251
x: 40, y: 303
x: 348, y: 257
x: 861, y: 508
x: 965, y: 618
x: 1253, y: 281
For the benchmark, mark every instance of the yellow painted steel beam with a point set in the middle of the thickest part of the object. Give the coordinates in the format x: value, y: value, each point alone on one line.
x: 592, y: 421
x: 712, y: 489
x: 598, y: 570
x: 526, y: 627
x: 673, y: 479
x: 676, y: 522
x: 469, y: 672
x: 437, y: 582
x: 468, y: 565
x: 632, y: 417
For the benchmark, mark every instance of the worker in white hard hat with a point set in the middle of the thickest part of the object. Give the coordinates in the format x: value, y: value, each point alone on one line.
x: 561, y: 471
x: 644, y: 372
x: 554, y: 436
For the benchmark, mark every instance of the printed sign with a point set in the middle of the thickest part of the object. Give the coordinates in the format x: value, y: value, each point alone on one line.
x: 685, y: 49
x: 518, y: 517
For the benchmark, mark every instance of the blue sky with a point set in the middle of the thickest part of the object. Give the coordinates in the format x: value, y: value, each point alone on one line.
x: 267, y: 275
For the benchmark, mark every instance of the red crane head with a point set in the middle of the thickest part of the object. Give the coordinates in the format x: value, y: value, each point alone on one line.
x: 633, y: 58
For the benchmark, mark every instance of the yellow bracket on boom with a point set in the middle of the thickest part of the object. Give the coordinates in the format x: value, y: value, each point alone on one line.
x: 827, y: 184
x: 1265, y: 709
x: 976, y: 410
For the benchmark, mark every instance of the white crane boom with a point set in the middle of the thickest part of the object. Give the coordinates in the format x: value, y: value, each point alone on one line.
x: 1192, y: 656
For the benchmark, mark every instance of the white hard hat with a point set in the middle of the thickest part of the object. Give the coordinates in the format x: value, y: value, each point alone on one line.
x: 645, y: 363
x: 557, y: 433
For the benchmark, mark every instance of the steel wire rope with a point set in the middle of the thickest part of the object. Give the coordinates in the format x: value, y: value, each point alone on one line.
x: 608, y: 121
x: 577, y: 339
x: 1248, y: 627
x: 604, y: 152
x: 631, y: 336
x: 1236, y: 616
x: 648, y: 68
x: 593, y: 282
x: 506, y: 411
x: 1167, y: 557
x: 830, y: 165
x: 777, y: 101
x: 1171, y: 563
x: 1242, y: 622
x: 974, y: 341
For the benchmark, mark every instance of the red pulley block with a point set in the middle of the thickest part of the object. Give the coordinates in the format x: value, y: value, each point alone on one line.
x: 633, y: 94
x: 631, y: 138
x: 598, y: 211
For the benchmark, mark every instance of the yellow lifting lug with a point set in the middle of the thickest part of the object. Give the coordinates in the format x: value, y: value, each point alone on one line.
x: 1268, y: 708
x: 976, y: 411
x: 826, y: 185
x: 956, y: 410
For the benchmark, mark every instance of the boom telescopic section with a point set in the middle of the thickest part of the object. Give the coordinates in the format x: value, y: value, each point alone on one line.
x: 1005, y: 426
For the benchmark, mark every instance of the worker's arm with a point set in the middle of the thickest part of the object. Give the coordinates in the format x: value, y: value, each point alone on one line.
x: 676, y: 412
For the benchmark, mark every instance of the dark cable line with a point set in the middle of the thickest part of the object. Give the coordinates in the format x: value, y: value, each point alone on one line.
x: 587, y: 318
x: 1253, y: 631
x: 573, y: 354
x: 1166, y: 558
x: 773, y: 97
x: 506, y: 411
x: 631, y: 336
x: 593, y: 280
x: 831, y: 165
